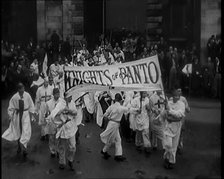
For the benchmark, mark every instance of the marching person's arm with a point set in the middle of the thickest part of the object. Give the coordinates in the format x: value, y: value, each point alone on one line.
x: 107, y: 113
x: 11, y: 109
x: 31, y: 108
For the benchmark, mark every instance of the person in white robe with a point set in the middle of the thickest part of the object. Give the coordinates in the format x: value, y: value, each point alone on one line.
x: 174, y: 114
x: 183, y: 126
x: 44, y: 94
x: 20, y: 111
x: 54, y: 106
x: 111, y: 135
x: 156, y: 121
x: 140, y: 109
x: 66, y: 133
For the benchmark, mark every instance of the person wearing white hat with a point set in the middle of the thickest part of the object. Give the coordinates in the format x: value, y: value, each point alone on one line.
x: 53, y: 108
x: 66, y: 133
x: 44, y: 93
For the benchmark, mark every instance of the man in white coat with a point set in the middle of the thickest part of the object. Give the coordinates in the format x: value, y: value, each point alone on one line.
x: 111, y: 135
x: 66, y: 133
x: 43, y: 95
x: 54, y: 107
x: 21, y: 111
x: 174, y: 114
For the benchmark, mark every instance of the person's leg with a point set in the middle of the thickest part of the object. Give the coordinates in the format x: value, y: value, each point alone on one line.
x: 138, y: 139
x: 118, y: 148
x: 26, y: 134
x: 61, y: 151
x: 71, y: 151
x: 146, y: 140
x: 52, y: 145
x: 168, y: 149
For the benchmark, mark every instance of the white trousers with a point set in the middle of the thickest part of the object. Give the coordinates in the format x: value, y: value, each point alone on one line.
x: 66, y: 146
x: 170, y: 146
x: 118, y: 147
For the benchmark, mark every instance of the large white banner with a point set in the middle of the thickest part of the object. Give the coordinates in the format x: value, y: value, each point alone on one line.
x: 139, y: 75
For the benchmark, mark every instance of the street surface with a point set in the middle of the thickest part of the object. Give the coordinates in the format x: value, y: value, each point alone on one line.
x: 202, y: 152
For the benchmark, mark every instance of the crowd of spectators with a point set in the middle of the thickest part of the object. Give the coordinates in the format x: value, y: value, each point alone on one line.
x: 19, y: 60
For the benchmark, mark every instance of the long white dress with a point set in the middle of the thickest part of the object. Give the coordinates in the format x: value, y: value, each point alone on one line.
x: 14, y: 133
x: 70, y: 128
x: 43, y: 95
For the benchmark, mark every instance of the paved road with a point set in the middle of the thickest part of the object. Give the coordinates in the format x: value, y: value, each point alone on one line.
x: 202, y: 153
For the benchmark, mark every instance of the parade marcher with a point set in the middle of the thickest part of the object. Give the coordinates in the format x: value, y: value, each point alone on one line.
x: 183, y: 126
x: 111, y: 135
x: 140, y: 107
x: 53, y: 108
x: 21, y: 112
x: 66, y: 133
x: 44, y: 94
x: 175, y: 111
x: 156, y: 121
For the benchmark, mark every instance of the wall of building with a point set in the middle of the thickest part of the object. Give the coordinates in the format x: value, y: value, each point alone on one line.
x: 66, y: 17
x: 130, y: 14
x: 210, y: 23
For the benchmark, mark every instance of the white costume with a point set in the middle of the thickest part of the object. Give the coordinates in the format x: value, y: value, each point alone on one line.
x: 66, y: 133
x: 172, y: 129
x: 156, y: 121
x: 43, y: 95
x: 14, y: 133
x: 141, y: 121
x: 54, y: 107
x: 111, y: 135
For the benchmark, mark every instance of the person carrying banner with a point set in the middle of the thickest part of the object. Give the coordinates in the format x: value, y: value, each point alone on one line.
x: 53, y: 108
x: 140, y: 107
x: 66, y: 133
x: 21, y: 110
x: 111, y: 135
x: 44, y: 94
x: 174, y: 113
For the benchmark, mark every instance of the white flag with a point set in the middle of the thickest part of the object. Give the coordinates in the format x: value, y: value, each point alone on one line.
x: 187, y: 69
x: 44, y: 67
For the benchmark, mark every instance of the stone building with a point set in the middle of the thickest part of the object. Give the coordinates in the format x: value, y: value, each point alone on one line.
x: 179, y: 21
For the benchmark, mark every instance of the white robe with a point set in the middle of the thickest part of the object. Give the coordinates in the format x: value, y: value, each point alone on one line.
x: 13, y: 133
x: 177, y: 110
x: 55, y: 107
x: 41, y: 94
x: 156, y: 119
x: 113, y: 113
x: 140, y: 120
x: 70, y: 128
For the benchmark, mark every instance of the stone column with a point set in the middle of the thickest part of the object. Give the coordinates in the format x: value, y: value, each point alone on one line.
x: 210, y: 24
x: 41, y: 26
